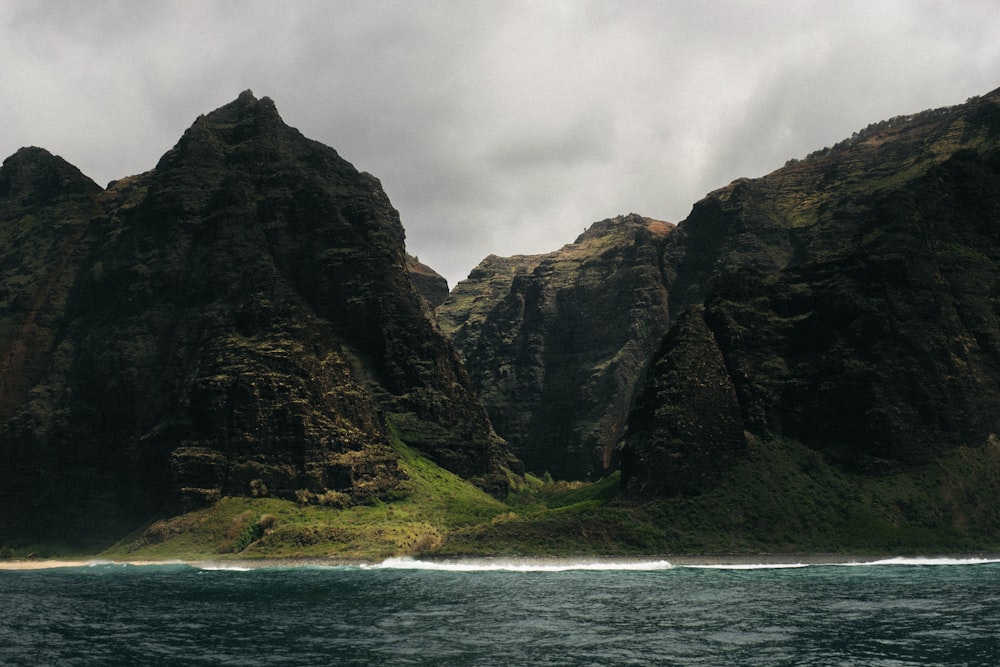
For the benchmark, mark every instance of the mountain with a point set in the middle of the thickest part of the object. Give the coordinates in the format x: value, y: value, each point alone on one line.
x: 232, y: 353
x: 557, y: 343
x: 826, y: 371
x: 46, y: 205
x: 240, y: 320
x: 846, y: 302
x: 429, y: 283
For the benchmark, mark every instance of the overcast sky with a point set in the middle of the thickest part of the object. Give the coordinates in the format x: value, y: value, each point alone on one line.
x: 495, y: 127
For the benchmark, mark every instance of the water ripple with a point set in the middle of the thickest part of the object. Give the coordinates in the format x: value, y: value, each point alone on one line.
x: 904, y: 614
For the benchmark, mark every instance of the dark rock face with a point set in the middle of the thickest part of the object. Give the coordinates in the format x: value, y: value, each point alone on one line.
x: 238, y: 321
x: 243, y: 320
x: 46, y: 205
x: 429, y: 283
x: 812, y: 208
x: 557, y: 343
x: 852, y: 300
x: 686, y: 428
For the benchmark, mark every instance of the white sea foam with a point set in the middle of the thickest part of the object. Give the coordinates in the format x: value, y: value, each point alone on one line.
x: 746, y: 566
x: 504, y: 565
x: 518, y: 565
x: 897, y: 560
x: 924, y: 560
x: 221, y: 567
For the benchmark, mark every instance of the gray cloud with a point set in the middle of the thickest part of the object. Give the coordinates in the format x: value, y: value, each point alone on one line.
x: 497, y: 126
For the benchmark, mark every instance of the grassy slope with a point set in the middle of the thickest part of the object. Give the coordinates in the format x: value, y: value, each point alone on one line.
x: 431, y: 503
x: 785, y: 499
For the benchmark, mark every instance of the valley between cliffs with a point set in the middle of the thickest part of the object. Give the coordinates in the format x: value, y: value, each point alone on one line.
x: 232, y: 356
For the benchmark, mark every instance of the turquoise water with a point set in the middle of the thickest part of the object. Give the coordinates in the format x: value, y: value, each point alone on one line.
x: 404, y: 613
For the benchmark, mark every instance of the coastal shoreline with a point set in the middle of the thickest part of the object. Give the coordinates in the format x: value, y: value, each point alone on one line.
x: 595, y: 562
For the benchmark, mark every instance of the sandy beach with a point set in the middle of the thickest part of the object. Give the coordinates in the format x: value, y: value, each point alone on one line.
x: 686, y: 560
x: 41, y: 564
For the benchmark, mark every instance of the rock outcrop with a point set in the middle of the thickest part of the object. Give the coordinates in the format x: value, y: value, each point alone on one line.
x: 46, y: 205
x: 686, y: 428
x: 850, y: 301
x: 243, y: 320
x: 557, y: 344
x: 238, y: 321
x: 429, y: 283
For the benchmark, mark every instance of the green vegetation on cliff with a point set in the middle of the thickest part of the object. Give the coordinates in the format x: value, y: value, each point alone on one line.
x: 231, y: 356
x: 239, y: 321
x: 423, y: 509
x: 556, y: 344
x: 849, y: 312
x: 783, y: 497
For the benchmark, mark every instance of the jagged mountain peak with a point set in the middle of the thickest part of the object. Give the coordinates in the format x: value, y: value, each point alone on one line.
x: 250, y: 130
x: 33, y: 174
x: 237, y: 321
x: 245, y: 106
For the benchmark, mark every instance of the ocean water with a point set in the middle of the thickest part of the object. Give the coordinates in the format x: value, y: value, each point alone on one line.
x: 897, y: 612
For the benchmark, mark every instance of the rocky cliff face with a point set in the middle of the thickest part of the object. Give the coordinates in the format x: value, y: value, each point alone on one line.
x: 243, y: 320
x: 557, y: 343
x: 429, y: 283
x: 46, y: 205
x: 849, y: 304
x: 240, y: 320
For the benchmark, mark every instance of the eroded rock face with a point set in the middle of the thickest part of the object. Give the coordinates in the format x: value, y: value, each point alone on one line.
x: 46, y: 205
x: 851, y: 298
x: 557, y: 343
x: 238, y: 321
x: 686, y: 429
x: 429, y: 283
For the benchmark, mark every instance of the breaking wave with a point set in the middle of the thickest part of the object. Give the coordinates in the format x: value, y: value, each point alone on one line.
x: 809, y: 609
x: 501, y: 564
x: 602, y: 565
x: 519, y: 565
x: 922, y: 560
